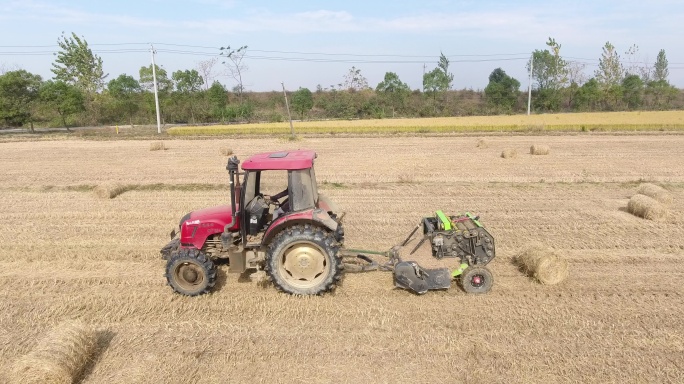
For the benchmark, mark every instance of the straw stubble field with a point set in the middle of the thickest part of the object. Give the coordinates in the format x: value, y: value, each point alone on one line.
x: 69, y: 255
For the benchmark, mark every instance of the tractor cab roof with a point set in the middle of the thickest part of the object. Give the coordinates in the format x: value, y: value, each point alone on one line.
x: 282, y: 160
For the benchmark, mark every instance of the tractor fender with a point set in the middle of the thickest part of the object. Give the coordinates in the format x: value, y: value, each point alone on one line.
x: 317, y: 217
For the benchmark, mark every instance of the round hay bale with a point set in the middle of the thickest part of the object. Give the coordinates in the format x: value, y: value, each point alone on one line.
x: 509, y: 154
x: 539, y: 149
x: 543, y: 264
x: 59, y: 357
x: 656, y: 192
x: 482, y: 143
x: 226, y: 151
x: 109, y: 190
x: 158, y: 146
x: 646, y: 207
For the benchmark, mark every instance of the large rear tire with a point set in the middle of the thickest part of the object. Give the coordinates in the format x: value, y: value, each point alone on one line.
x: 190, y: 272
x: 477, y: 280
x: 302, y: 260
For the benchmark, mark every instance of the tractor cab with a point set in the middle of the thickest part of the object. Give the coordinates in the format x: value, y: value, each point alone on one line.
x: 279, y: 173
x: 289, y: 174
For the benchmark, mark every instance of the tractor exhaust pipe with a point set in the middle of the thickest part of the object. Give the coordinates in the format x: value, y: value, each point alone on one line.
x: 232, y: 167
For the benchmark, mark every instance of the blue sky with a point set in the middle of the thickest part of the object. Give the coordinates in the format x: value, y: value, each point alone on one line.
x: 306, y: 43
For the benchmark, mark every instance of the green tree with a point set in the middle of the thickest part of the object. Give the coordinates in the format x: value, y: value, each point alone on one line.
x: 448, y: 78
x: 393, y: 90
x: 125, y: 90
x: 439, y: 79
x: 610, y: 71
x: 609, y: 75
x: 660, y: 69
x: 164, y: 84
x: 18, y: 92
x: 661, y: 94
x: 302, y: 101
x: 589, y: 96
x: 633, y: 91
x: 502, y: 90
x: 217, y: 99
x: 76, y: 64
x: 164, y: 88
x: 550, y: 74
x: 63, y: 98
x: 188, y: 81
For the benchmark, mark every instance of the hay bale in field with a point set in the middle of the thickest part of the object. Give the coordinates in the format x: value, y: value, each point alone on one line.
x: 482, y: 143
x: 509, y: 154
x: 656, y: 192
x: 158, y: 146
x: 646, y: 207
x: 539, y: 149
x: 226, y: 151
x: 109, y: 190
x: 59, y: 357
x: 544, y: 264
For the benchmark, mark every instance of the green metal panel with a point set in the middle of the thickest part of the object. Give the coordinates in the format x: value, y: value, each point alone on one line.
x: 445, y: 220
x: 471, y: 217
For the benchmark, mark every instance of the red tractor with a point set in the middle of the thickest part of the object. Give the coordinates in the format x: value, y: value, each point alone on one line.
x: 295, y: 240
x: 295, y: 237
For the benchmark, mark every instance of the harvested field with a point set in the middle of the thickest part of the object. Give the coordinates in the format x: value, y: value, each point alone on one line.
x: 69, y: 255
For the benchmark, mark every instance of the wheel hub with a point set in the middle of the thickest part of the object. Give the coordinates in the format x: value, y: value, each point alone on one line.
x: 477, y: 280
x: 303, y: 265
x: 188, y: 275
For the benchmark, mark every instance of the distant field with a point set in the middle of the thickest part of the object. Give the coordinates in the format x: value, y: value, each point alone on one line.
x: 567, y: 122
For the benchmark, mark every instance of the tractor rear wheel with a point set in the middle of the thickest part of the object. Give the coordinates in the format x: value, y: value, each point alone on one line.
x: 190, y: 272
x: 477, y: 280
x: 302, y: 260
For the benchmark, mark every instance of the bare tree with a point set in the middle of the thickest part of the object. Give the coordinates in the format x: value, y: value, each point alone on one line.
x: 4, y: 68
x: 636, y: 65
x: 206, y: 70
x: 354, y: 80
x: 236, y: 67
x: 575, y: 71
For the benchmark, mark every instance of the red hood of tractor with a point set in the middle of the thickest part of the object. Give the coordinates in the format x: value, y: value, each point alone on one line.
x: 218, y: 213
x: 198, y: 225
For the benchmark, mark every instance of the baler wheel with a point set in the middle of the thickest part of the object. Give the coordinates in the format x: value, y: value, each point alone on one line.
x: 303, y: 260
x: 477, y: 280
x: 190, y: 272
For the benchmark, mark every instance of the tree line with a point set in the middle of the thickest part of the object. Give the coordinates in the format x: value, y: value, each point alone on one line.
x: 80, y: 95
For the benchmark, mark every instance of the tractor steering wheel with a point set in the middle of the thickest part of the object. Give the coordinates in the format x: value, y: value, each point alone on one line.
x: 272, y: 201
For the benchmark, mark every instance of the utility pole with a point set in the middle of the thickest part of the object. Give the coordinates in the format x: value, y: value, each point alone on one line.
x: 529, y: 87
x: 423, y: 79
x: 156, y: 92
x: 287, y: 105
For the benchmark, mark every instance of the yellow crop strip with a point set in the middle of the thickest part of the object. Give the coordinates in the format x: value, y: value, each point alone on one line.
x: 602, y: 121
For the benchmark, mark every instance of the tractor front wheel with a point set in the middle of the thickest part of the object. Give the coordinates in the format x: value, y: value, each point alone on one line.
x: 190, y: 272
x: 477, y: 280
x: 302, y: 260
